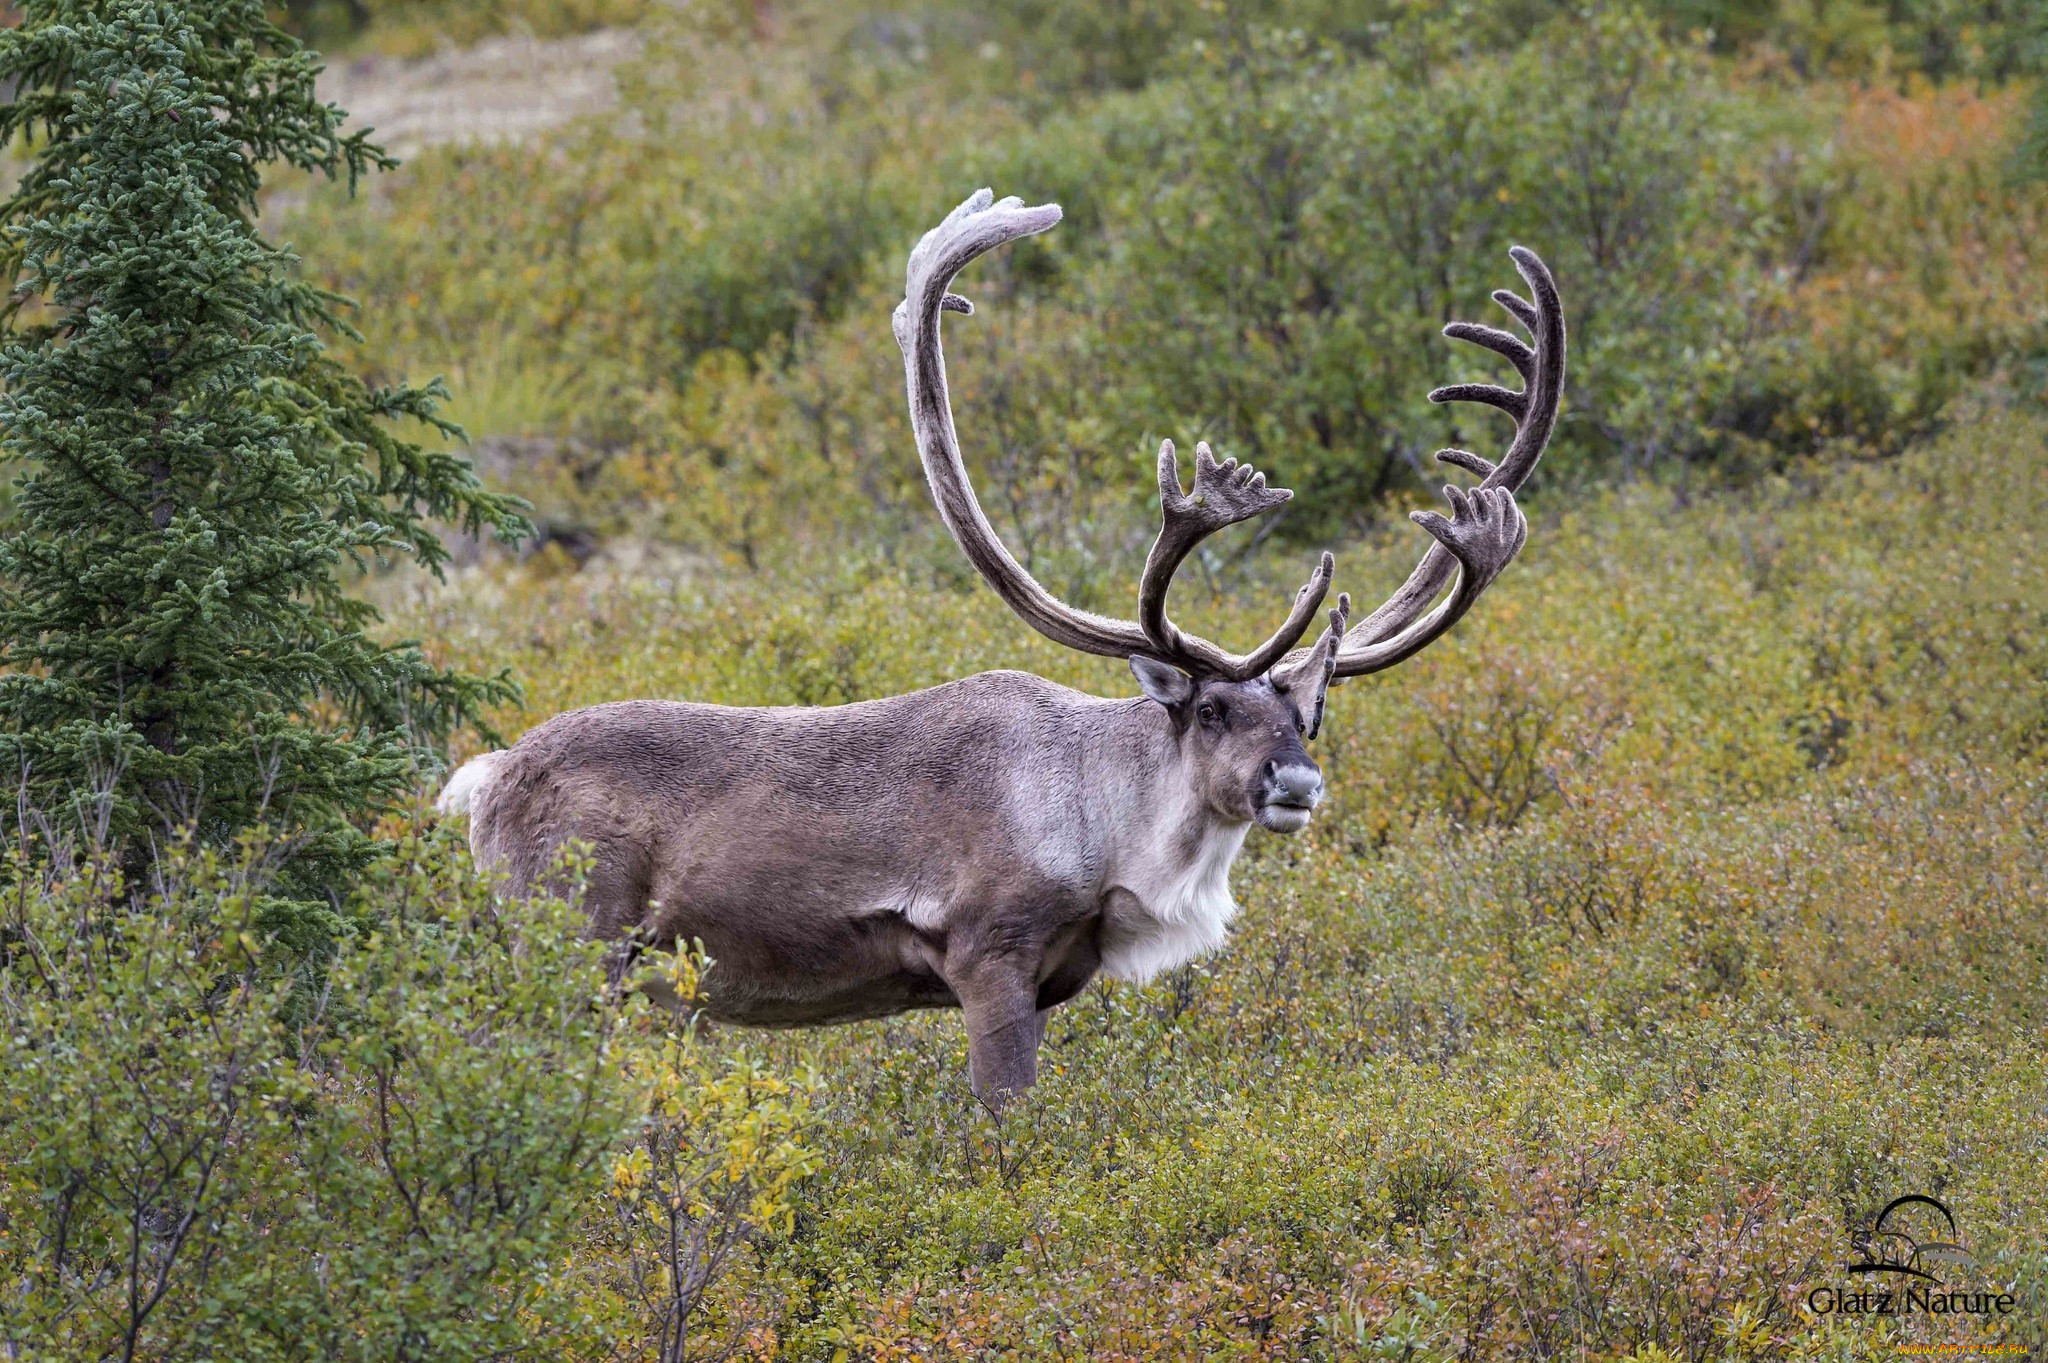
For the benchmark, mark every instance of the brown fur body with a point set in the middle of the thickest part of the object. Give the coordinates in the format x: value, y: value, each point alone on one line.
x: 833, y: 861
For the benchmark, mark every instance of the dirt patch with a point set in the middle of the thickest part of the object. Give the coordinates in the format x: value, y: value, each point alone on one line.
x: 501, y: 90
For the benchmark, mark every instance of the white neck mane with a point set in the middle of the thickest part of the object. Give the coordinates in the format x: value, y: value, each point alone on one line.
x: 1183, y: 903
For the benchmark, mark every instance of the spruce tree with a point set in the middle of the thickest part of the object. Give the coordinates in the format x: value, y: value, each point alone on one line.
x: 194, y: 474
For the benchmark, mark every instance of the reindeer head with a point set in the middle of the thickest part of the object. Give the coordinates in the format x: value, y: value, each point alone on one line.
x: 1242, y: 719
x: 1242, y: 742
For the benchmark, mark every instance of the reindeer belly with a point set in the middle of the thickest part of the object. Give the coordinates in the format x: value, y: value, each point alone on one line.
x: 796, y: 969
x: 728, y: 1000
x: 875, y: 971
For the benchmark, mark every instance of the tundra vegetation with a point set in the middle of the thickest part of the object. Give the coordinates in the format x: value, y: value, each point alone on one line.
x: 1664, y: 922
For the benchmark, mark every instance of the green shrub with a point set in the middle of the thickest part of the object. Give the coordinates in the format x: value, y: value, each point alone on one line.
x: 681, y: 312
x: 1603, y: 1051
x: 1294, y: 230
x: 448, y: 1137
x: 209, y: 1157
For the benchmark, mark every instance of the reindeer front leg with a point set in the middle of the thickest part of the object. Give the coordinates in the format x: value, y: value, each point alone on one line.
x: 999, y: 996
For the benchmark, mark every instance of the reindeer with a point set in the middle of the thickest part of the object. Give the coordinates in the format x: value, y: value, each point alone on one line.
x: 994, y: 843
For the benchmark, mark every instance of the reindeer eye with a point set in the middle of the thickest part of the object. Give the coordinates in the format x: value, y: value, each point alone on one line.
x: 1207, y: 713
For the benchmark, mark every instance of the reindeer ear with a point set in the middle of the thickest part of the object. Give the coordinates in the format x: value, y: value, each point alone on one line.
x: 1162, y: 682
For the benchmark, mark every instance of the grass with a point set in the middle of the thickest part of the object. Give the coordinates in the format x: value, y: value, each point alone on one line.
x: 1664, y: 924
x: 418, y: 28
x: 1667, y: 921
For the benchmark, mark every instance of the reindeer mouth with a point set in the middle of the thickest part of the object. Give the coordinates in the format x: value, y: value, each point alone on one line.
x: 1285, y: 816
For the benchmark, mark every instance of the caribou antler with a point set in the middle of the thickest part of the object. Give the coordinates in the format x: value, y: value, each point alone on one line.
x: 1317, y: 667
x: 1483, y: 532
x: 1486, y: 527
x: 1224, y: 494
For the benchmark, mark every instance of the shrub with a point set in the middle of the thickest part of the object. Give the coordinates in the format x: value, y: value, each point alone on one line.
x: 1297, y: 227
x: 1617, y: 1076
x: 715, y: 1161
x: 207, y: 1156
x: 1262, y: 241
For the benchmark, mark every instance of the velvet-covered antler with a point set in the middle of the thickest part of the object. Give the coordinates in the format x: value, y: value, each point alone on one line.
x: 1483, y: 532
x: 1223, y: 494
x: 1485, y: 528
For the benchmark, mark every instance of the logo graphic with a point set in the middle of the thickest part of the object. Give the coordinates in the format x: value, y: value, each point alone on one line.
x: 1895, y: 1268
x: 1889, y: 1248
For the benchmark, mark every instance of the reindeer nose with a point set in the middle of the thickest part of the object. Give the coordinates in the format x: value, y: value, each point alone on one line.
x: 1295, y: 783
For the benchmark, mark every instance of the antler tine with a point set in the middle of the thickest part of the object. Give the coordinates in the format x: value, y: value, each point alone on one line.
x: 1500, y: 342
x: 1486, y: 528
x: 1524, y: 311
x: 1319, y: 665
x: 1467, y: 461
x: 1514, y: 404
x: 1223, y: 493
x: 1261, y: 659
